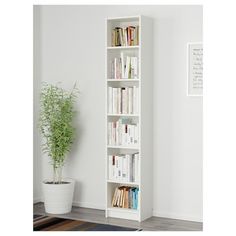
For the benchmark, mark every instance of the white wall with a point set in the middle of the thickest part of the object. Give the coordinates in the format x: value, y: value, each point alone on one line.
x: 71, y: 42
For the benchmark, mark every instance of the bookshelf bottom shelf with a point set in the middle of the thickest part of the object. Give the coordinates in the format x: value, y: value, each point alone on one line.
x: 129, y: 214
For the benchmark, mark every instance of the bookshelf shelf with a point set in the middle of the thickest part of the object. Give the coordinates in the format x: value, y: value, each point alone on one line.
x: 130, y: 92
x: 123, y: 182
x: 123, y: 80
x: 124, y: 115
x: 123, y: 147
x: 123, y: 209
x: 122, y: 47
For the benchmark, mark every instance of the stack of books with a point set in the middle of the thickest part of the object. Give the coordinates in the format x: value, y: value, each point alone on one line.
x: 123, y: 132
x: 124, y: 67
x: 125, y: 36
x: 123, y: 100
x: 124, y: 167
x: 125, y: 197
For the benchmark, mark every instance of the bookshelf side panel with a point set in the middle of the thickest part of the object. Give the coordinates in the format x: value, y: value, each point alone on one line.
x: 146, y: 118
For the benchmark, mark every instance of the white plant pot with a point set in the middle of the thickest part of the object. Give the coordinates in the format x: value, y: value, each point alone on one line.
x: 58, y: 197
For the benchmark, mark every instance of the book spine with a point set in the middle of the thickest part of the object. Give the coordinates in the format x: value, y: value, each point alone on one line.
x: 137, y: 99
x: 119, y: 100
x: 123, y: 169
x: 122, y: 64
x: 135, y: 64
x: 110, y: 167
x: 130, y: 94
x: 126, y: 100
x: 128, y: 167
x: 136, y: 167
x: 117, y: 133
x: 116, y: 168
x: 109, y: 99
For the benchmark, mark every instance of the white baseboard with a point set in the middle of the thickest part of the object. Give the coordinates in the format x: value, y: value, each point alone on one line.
x: 37, y: 199
x: 78, y: 204
x: 88, y: 205
x: 177, y: 216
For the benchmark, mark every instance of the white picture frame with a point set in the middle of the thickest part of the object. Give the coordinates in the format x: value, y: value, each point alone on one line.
x: 195, y: 69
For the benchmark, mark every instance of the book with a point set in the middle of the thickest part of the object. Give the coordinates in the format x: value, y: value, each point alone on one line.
x: 125, y: 197
x: 125, y: 36
x: 114, y: 197
x: 110, y: 99
x: 124, y: 167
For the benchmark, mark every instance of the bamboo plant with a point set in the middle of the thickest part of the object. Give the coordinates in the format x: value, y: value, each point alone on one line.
x: 56, y: 117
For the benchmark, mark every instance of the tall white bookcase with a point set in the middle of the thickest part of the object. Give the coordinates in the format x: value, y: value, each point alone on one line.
x: 143, y: 118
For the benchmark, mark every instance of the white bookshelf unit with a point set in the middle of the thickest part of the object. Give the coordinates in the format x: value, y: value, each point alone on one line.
x: 142, y: 117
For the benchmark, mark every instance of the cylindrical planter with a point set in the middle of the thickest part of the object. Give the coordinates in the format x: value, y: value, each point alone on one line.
x: 58, y: 197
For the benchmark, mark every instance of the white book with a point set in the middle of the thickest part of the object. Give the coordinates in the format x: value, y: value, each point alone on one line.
x: 116, y: 172
x: 137, y: 100
x: 119, y: 100
x: 132, y: 134
x: 126, y: 100
x: 109, y: 99
x: 116, y: 133
x: 130, y: 100
x: 116, y: 92
x: 135, y: 67
x: 134, y: 100
x: 136, y: 134
x: 136, y: 166
x: 113, y: 167
x: 120, y: 132
x: 113, y: 133
x: 128, y: 134
x: 109, y: 133
x: 119, y: 68
x: 128, y: 167
x: 113, y: 100
x: 122, y: 65
x: 124, y: 168
x: 112, y: 70
x: 123, y: 100
x: 120, y: 166
x: 123, y: 134
x: 110, y: 167
x: 132, y: 62
x: 133, y: 168
x: 115, y: 68
x: 127, y: 67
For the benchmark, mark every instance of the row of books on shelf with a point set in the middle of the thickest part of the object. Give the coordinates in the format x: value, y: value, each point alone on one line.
x: 124, y: 67
x: 125, y: 197
x: 123, y: 100
x: 125, y: 36
x: 123, y: 132
x: 124, y: 167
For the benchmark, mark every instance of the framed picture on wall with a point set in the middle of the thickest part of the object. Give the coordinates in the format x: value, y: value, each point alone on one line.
x: 195, y: 69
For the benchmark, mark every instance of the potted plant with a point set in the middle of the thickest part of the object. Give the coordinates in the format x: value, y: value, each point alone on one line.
x: 56, y: 117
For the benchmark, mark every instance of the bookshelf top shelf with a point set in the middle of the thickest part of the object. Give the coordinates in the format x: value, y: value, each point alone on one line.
x: 124, y: 18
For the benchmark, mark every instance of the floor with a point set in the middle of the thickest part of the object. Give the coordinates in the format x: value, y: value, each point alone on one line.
x: 151, y: 224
